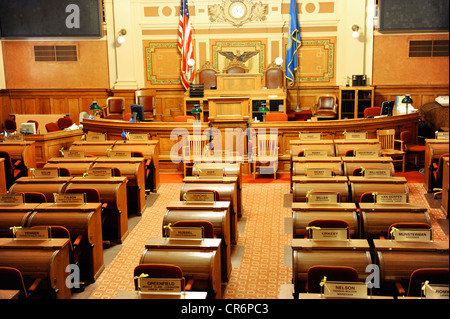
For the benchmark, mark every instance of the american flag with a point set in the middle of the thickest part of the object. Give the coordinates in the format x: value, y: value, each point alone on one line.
x: 185, y: 43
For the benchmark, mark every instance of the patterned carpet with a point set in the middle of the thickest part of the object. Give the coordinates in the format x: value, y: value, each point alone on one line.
x: 262, y: 268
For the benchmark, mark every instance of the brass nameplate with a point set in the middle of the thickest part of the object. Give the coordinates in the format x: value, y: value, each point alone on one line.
x: 11, y: 199
x: 328, y: 233
x: 32, y: 233
x: 14, y: 138
x: 315, y: 153
x: 74, y: 154
x: 442, y: 135
x: 319, y: 172
x: 119, y: 154
x: 356, y: 135
x: 436, y: 291
x: 377, y: 172
x: 309, y: 136
x: 334, y: 289
x: 394, y: 198
x: 95, y: 137
x: 322, y: 198
x: 70, y: 198
x: 409, y: 234
x: 160, y: 285
x: 367, y: 153
x: 138, y: 137
x: 45, y: 172
x: 210, y: 172
x: 99, y: 172
x: 186, y: 232
x: 198, y: 197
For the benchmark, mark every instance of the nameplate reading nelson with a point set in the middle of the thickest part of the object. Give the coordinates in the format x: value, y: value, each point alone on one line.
x: 344, y: 290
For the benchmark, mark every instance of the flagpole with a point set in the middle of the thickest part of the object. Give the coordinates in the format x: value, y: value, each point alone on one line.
x: 297, y: 108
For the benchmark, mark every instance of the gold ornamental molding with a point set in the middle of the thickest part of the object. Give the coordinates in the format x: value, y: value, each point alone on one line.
x: 237, y: 12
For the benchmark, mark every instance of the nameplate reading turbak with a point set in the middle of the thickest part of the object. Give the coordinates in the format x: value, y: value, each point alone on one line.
x: 328, y: 233
x: 409, y: 234
x: 119, y: 154
x: 315, y: 153
x: 11, y: 199
x: 73, y: 154
x: 377, y: 172
x: 210, y: 172
x: 355, y: 135
x: 334, y: 289
x: 160, y: 285
x: 436, y: 292
x: 186, y: 232
x: 367, y: 153
x: 32, y: 233
x: 99, y: 172
x: 319, y: 172
x: 322, y: 198
x: 95, y: 137
x: 309, y: 136
x: 193, y: 197
x: 70, y: 198
x: 45, y: 173
x: 394, y: 198
x: 14, y: 138
x: 138, y: 137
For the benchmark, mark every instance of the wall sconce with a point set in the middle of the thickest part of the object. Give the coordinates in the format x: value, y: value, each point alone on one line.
x: 355, y: 29
x: 190, y: 63
x: 121, y: 36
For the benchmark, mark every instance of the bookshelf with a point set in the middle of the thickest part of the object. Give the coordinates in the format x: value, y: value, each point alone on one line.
x: 353, y: 100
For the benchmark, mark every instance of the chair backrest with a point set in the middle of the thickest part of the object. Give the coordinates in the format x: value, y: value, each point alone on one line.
x: 273, y: 77
x: 372, y: 111
x: 183, y: 118
x: 36, y: 124
x: 408, y: 225
x: 207, y: 77
x: 406, y: 137
x: 235, y: 67
x: 315, y: 274
x: 215, y: 192
x: 127, y: 117
x: 440, y: 170
x: 10, y: 125
x: 64, y: 122
x: 267, y: 145
x: 34, y: 197
x: 7, y: 163
x: 115, y: 104
x: 386, y: 139
x: 326, y: 103
x: 208, y: 228
x: 147, y: 101
x: 194, y: 145
x: 158, y: 271
x: 419, y: 276
x: 276, y: 117
x: 52, y: 127
x: 92, y: 194
x: 64, y: 171
x: 11, y: 279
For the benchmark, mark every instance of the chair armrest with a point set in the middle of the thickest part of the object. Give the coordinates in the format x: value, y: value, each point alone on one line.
x: 77, y: 241
x: 400, y: 290
x: 401, y: 143
x: 189, y: 285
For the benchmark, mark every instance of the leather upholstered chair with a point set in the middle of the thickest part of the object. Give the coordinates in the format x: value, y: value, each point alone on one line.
x: 146, y: 98
x: 273, y: 77
x: 325, y: 107
x: 372, y: 111
x: 437, y: 172
x: 10, y: 126
x: 183, y: 118
x: 276, y: 117
x: 207, y: 76
x: 52, y: 127
x: 34, y: 197
x: 12, y: 171
x: 114, y: 108
x: 64, y: 122
x: 410, y: 147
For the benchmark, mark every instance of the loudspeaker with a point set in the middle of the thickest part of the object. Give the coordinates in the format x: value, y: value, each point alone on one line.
x: 359, y: 80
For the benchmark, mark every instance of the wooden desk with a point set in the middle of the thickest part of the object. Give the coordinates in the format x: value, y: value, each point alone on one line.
x: 100, y: 148
x: 150, y: 150
x: 351, y: 163
x: 228, y: 191
x: 199, y: 260
x: 25, y: 151
x: 445, y: 187
x: 229, y: 108
x: 2, y: 177
x: 360, y: 185
x: 343, y: 145
x: 303, y: 213
x: 113, y: 191
x: 9, y: 294
x: 218, y: 213
x: 138, y: 295
x: 309, y: 252
x: 84, y: 220
x: 47, y: 186
x: 320, y: 296
x: 301, y: 185
x: 46, y: 259
x: 76, y: 166
x: 377, y: 218
x: 433, y: 150
x: 14, y: 215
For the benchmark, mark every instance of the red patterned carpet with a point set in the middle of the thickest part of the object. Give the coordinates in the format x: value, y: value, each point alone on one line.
x: 260, y: 269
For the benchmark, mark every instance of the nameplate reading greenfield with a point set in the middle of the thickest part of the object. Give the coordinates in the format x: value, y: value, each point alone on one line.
x: 138, y: 137
x: 315, y: 153
x: 436, y: 292
x: 391, y: 198
x: 120, y: 154
x: 99, y: 172
x: 11, y: 199
x: 322, y: 198
x: 95, y: 137
x: 377, y: 172
x: 45, y: 173
x: 367, y: 153
x: 409, y: 234
x: 333, y: 289
x: 210, y: 172
x: 32, y: 233
x: 14, y: 138
x: 160, y: 285
x: 309, y: 136
x: 319, y: 172
x: 71, y: 198
x: 329, y: 233
x: 199, y: 197
x: 186, y: 232
x: 73, y: 154
x: 355, y: 135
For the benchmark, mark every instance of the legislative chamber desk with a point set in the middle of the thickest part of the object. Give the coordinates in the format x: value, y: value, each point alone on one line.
x: 2, y: 177
x: 343, y: 145
x: 113, y: 191
x: 398, y: 259
x: 47, y: 186
x: 93, y: 148
x: 309, y: 252
x: 434, y: 148
x: 14, y: 215
x: 218, y: 213
x: 350, y: 163
x: 39, y: 259
x: 24, y: 151
x: 361, y: 184
x: 82, y: 221
x: 303, y: 213
x: 76, y: 166
x: 301, y: 185
x: 377, y: 218
x: 445, y: 187
x: 199, y: 260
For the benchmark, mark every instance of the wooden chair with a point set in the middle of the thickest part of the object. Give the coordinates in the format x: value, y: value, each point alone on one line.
x: 419, y: 276
x: 372, y: 111
x: 160, y: 271
x: 315, y: 275
x: 207, y: 76
x: 52, y: 127
x: 410, y: 147
x: 114, y: 108
x: 11, y: 279
x: 64, y: 122
x: 437, y: 171
x: 387, y: 144
x: 235, y: 67
x: 127, y: 117
x: 273, y: 77
x: 192, y: 150
x: 325, y: 107
x: 276, y: 117
x: 266, y: 152
x: 146, y: 98
x: 12, y: 171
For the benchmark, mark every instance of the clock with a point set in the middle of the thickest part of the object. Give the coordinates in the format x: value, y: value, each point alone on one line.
x: 237, y: 10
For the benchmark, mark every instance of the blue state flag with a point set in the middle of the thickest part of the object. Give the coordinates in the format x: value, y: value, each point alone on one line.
x: 293, y: 43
